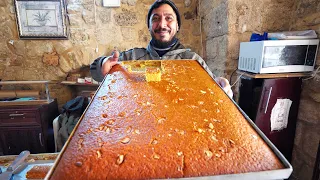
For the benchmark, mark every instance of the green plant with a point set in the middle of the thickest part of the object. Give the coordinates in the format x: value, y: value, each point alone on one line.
x: 41, y: 18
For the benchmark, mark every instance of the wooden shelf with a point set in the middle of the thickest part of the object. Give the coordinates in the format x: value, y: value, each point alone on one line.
x: 23, y: 82
x: 72, y: 83
x: 33, y: 102
x: 276, y: 75
x: 21, y: 103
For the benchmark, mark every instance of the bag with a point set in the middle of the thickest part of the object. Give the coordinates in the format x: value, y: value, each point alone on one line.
x: 71, y: 113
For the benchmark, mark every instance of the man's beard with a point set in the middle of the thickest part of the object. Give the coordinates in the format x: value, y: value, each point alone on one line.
x: 162, y: 44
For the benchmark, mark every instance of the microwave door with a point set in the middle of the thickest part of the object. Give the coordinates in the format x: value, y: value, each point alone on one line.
x: 288, y: 58
x: 284, y: 55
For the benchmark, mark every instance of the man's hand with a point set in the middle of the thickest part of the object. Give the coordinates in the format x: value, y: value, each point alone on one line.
x: 224, y: 83
x: 109, y: 62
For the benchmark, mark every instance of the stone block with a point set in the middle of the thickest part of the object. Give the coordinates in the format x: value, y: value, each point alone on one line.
x: 144, y: 36
x: 74, y: 8
x: 109, y: 35
x: 311, y: 140
x: 37, y: 48
x: 309, y: 111
x: 51, y: 59
x: 206, y: 6
x: 74, y: 1
x: 309, y: 20
x: 64, y: 64
x: 306, y: 7
x: 87, y: 2
x: 5, y: 33
x: 16, y: 60
x: 216, y: 52
x: 32, y: 74
x: 79, y: 36
x: 245, y: 16
x: 5, y: 16
x: 275, y: 15
x: 196, y: 29
x: 129, y: 33
x: 2, y: 70
x: 233, y: 46
x: 129, y: 2
x: 3, y: 3
x: 187, y: 3
x: 33, y: 62
x: 12, y: 10
x: 75, y: 59
x: 88, y: 17
x: 231, y: 65
x: 62, y: 46
x: 216, y: 22
x: 126, y: 18
x: 104, y: 15
x: 54, y: 73
x: 13, y: 73
x: 183, y: 35
x: 189, y: 15
x: 19, y: 47
x: 76, y: 20
x: 4, y: 50
x: 89, y: 7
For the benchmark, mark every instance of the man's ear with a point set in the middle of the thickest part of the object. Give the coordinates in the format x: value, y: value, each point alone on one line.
x: 177, y: 28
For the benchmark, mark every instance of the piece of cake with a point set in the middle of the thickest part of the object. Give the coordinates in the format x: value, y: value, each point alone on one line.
x: 181, y: 126
x: 133, y: 66
x: 38, y: 172
x: 140, y: 66
x: 153, y: 74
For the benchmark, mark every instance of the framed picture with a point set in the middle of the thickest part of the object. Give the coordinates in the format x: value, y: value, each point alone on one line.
x: 41, y: 19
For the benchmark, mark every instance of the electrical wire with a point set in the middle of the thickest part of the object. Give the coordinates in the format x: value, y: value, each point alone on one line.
x: 232, y: 75
x: 237, y: 79
x: 314, y: 74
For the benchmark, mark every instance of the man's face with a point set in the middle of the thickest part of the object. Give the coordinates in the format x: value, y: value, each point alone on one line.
x: 163, y: 23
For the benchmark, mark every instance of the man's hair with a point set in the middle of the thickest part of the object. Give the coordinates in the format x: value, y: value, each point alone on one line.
x: 158, y: 3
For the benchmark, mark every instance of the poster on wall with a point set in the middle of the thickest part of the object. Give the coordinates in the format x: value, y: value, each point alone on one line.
x: 111, y: 3
x: 41, y: 19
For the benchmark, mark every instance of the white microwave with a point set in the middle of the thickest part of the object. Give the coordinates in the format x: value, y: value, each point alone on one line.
x: 278, y: 56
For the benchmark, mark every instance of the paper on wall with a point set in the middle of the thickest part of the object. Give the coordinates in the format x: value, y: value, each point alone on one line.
x: 280, y: 114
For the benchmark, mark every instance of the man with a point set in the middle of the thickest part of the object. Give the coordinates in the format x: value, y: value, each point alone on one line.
x: 163, y: 23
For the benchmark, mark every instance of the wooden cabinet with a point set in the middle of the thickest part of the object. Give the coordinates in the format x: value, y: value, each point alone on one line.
x: 27, y: 128
x: 258, y: 96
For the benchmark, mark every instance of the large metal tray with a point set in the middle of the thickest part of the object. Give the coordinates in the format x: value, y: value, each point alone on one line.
x: 271, y: 174
x: 32, y: 160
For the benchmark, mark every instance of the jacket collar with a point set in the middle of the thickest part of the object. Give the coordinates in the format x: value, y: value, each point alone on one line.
x: 176, y: 49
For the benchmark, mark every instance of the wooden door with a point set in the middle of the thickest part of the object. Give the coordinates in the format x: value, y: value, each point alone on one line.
x: 272, y: 90
x: 15, y: 140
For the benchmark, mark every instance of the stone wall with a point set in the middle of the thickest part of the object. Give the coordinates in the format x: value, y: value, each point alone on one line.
x: 226, y: 23
x: 214, y: 20
x: 307, y: 16
x: 94, y: 31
